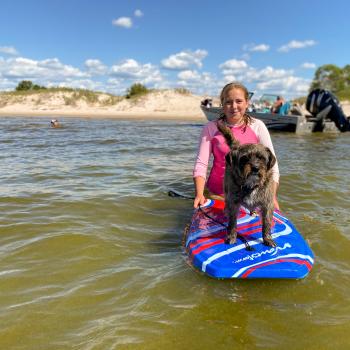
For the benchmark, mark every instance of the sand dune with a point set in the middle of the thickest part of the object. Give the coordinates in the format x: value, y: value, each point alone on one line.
x: 163, y: 104
x: 157, y: 104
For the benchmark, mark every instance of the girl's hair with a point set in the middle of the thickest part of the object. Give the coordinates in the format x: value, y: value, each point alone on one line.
x: 247, y: 119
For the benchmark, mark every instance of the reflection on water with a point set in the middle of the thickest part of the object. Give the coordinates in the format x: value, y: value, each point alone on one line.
x: 90, y: 243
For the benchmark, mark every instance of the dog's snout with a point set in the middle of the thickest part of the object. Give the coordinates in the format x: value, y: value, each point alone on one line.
x: 254, y: 169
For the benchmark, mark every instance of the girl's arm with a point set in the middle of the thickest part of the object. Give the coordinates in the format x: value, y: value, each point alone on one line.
x: 199, y: 183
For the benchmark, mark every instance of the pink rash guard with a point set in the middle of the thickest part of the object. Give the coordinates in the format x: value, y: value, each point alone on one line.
x: 213, y: 142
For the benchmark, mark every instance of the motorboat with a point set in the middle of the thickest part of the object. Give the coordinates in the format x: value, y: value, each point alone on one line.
x: 324, y: 117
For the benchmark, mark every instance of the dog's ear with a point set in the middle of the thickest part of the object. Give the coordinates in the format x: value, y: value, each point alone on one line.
x: 271, y: 158
x: 228, y: 158
x: 231, y: 159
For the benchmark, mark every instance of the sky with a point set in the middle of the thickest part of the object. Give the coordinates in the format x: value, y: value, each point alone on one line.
x: 107, y: 45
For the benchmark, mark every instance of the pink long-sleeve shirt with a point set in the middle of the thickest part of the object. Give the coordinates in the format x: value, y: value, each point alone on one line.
x: 213, y: 142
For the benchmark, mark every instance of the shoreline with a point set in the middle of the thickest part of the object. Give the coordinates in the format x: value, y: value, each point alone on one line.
x: 93, y: 114
x: 191, y: 114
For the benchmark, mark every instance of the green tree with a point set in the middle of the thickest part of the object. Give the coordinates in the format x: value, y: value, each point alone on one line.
x: 136, y: 90
x: 346, y: 75
x: 24, y: 85
x: 38, y: 87
x: 329, y: 77
x: 334, y: 79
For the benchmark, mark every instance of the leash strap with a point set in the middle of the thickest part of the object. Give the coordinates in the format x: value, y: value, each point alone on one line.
x: 243, y: 239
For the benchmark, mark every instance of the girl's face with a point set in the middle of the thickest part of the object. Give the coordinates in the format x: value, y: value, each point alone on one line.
x: 235, y: 105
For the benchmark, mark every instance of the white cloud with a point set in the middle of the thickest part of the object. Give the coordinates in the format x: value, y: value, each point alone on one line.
x: 81, y: 84
x: 117, y: 78
x: 52, y: 72
x: 265, y: 74
x: 233, y: 66
x: 239, y: 70
x: 95, y: 67
x: 199, y: 83
x: 8, y: 50
x: 308, y: 65
x: 256, y: 48
x: 289, y: 86
x: 265, y: 80
x: 116, y: 86
x: 49, y: 70
x: 189, y: 75
x: 294, y: 44
x: 184, y: 60
x: 138, y: 13
x: 49, y: 63
x: 131, y: 69
x: 229, y: 78
x: 127, y: 68
x: 261, y: 48
x: 124, y: 22
x: 7, y: 84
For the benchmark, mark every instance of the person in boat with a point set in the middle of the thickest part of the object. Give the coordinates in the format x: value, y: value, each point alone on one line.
x: 234, y: 99
x: 266, y: 108
x: 276, y: 107
x: 54, y: 123
x: 207, y: 102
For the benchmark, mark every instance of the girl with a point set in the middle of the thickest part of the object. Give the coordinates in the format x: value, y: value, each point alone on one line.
x: 234, y: 99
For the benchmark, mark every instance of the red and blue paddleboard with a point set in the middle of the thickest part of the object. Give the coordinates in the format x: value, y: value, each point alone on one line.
x: 248, y: 257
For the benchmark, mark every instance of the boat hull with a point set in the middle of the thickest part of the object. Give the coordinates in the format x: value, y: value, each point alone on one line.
x: 272, y: 121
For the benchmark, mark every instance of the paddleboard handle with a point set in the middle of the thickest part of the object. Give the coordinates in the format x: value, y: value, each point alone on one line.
x: 213, y: 203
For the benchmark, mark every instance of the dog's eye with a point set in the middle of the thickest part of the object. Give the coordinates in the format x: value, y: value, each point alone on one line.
x: 261, y: 158
x: 243, y: 160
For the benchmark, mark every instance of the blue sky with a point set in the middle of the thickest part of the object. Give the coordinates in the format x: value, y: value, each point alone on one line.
x: 271, y: 46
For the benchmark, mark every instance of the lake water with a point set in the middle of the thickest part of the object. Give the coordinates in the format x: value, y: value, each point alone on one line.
x: 90, y: 243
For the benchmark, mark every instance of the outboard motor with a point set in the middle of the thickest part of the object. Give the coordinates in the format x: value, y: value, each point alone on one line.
x: 323, y: 104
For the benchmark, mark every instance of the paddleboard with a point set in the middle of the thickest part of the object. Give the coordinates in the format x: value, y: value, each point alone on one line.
x: 248, y: 257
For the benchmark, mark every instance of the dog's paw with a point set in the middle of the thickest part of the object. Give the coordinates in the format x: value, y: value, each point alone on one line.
x: 270, y: 242
x: 230, y: 240
x: 253, y: 213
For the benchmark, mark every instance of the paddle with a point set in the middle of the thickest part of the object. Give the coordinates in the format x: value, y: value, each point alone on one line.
x: 172, y: 193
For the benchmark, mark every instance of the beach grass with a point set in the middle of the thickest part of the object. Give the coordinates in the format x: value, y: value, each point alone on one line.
x: 70, y: 96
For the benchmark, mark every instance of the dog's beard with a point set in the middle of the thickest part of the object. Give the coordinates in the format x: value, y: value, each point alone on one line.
x: 252, y: 182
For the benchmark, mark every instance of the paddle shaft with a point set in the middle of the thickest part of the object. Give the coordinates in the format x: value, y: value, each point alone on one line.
x: 179, y: 195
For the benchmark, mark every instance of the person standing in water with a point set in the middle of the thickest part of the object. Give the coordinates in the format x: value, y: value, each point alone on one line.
x: 54, y: 123
x: 234, y: 99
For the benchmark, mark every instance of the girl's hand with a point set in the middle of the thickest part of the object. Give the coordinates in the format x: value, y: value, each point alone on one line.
x: 275, y: 202
x: 199, y: 200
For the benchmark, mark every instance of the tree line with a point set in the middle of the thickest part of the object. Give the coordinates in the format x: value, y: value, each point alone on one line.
x: 134, y: 90
x: 333, y: 78
x: 27, y: 85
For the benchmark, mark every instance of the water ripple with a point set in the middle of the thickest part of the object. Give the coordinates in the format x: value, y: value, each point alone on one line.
x: 90, y: 243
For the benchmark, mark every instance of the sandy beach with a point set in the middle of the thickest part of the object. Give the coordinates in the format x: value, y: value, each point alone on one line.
x: 164, y: 104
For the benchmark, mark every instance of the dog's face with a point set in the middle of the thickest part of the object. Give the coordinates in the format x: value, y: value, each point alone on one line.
x: 250, y: 165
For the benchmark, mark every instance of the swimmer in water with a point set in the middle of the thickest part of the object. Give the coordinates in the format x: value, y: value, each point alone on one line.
x: 54, y: 123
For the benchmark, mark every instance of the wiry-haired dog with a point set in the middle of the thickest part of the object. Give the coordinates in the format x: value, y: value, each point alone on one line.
x: 248, y: 182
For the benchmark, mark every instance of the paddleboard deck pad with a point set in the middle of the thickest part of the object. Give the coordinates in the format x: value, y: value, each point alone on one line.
x: 208, y: 252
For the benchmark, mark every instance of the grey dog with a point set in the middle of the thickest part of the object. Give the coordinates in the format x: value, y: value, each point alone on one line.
x: 248, y: 182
